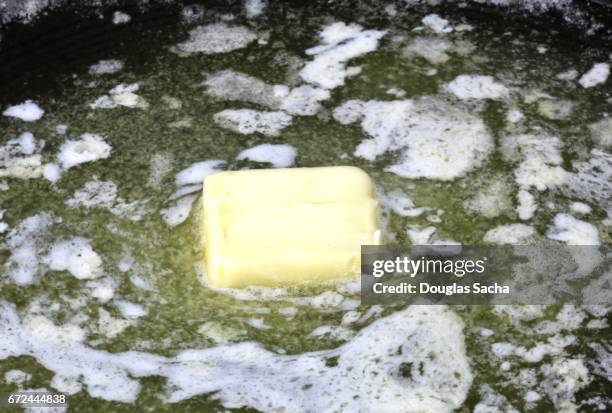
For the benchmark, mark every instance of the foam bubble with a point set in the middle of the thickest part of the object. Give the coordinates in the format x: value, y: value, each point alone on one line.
x: 130, y: 310
x: 121, y: 17
x: 421, y: 236
x: 103, y: 194
x: 601, y: 132
x: 102, y: 289
x: 76, y: 256
x: 592, y: 180
x: 121, y: 95
x: 105, y: 67
x: 26, y: 242
x: 492, y: 201
x: 341, y: 42
x: 230, y: 85
x: 515, y: 234
x: 27, y: 111
x: 280, y: 156
x: 315, y: 387
x: 580, y: 207
x: 540, y: 160
x: 425, y: 131
x: 90, y: 147
x: 16, y: 376
x: 400, y: 203
x: 216, y: 38
x: 467, y: 87
x: 414, y: 358
x: 573, y: 231
x: 248, y: 121
x: 51, y: 172
x: 597, y: 75
x: 196, y: 172
x: 179, y: 211
x: 304, y: 100
x: 19, y: 157
x: 436, y: 23
x: 432, y: 49
x: 526, y: 205
x: 254, y: 8
x: 569, y: 74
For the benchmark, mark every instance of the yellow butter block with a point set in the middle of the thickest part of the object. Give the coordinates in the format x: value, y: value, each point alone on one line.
x: 287, y: 226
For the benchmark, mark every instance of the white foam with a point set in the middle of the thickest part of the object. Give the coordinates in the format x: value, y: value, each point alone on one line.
x: 601, y: 132
x: 555, y: 109
x: 425, y: 131
x: 237, y: 86
x: 22, y: 167
x: 76, y: 256
x: 254, y: 8
x: 130, y: 310
x: 51, y: 172
x: 492, y: 201
x: 515, y: 234
x: 19, y: 157
x: 341, y: 42
x: 421, y: 236
x: 540, y: 160
x: 414, y: 358
x: 563, y: 377
x: 592, y: 180
x: 103, y: 194
x: 280, y: 156
x: 179, y: 212
x: 400, y: 203
x: 121, y: 95
x: 216, y: 38
x: 580, y: 207
x: 27, y: 111
x: 514, y: 115
x: 121, y: 18
x: 432, y: 49
x: 110, y: 326
x: 192, y: 12
x: 467, y: 87
x: 569, y: 74
x: 436, y: 23
x: 597, y: 75
x: 3, y: 225
x: 196, y: 172
x: 573, y: 231
x: 248, y: 121
x: 303, y: 100
x: 90, y: 147
x: 526, y: 205
x: 26, y: 242
x: 16, y: 376
x: 105, y: 67
x: 94, y: 193
x: 102, y: 289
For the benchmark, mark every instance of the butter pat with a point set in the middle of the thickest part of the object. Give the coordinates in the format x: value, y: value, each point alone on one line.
x: 277, y: 227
